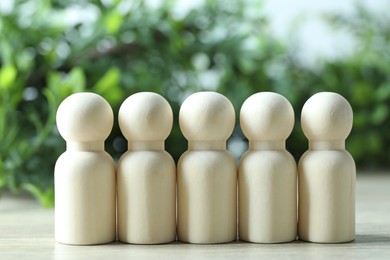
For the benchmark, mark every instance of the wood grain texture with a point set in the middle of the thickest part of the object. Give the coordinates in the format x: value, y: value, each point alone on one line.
x: 27, y: 232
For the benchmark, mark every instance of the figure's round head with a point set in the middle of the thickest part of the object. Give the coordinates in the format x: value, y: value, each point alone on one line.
x: 326, y: 116
x: 84, y: 117
x: 145, y: 116
x: 267, y: 116
x: 207, y: 116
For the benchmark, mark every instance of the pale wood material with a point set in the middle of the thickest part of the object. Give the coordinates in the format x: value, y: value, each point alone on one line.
x: 146, y: 172
x: 326, y: 172
x: 27, y: 232
x: 207, y: 172
x: 84, y: 175
x: 267, y: 175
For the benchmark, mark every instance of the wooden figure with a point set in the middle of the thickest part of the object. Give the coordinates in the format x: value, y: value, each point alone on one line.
x: 146, y: 172
x: 267, y: 172
x: 207, y: 174
x: 327, y: 172
x: 85, y: 202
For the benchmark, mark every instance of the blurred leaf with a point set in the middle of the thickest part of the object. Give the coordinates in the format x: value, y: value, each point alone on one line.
x: 354, y: 146
x: 113, y: 22
x: 108, y: 86
x: 2, y: 174
x: 247, y: 65
x: 362, y: 94
x: 7, y: 76
x: 76, y: 79
x: 360, y: 119
x: 373, y: 143
x: 67, y: 84
x: 383, y: 92
x: 45, y: 197
x: 380, y: 114
x: 6, y: 50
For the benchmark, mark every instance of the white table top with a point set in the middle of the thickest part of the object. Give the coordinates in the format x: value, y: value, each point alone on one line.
x: 27, y: 232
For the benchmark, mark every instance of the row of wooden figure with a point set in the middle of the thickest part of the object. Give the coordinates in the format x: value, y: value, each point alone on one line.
x: 149, y: 200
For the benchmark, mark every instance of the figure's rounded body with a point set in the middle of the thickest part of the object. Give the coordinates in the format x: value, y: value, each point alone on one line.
x: 267, y: 197
x: 327, y: 196
x: 146, y: 197
x: 267, y: 172
x: 85, y: 198
x: 85, y: 178
x: 326, y: 172
x: 207, y: 173
x: 146, y: 172
x: 207, y: 191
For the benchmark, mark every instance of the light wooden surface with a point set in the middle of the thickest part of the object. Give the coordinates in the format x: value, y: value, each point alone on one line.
x: 26, y: 232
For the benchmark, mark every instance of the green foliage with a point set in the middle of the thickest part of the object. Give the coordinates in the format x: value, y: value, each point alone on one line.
x: 51, y: 49
x: 362, y: 78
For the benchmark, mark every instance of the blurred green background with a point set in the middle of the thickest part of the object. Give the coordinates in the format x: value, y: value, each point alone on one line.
x: 51, y: 49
